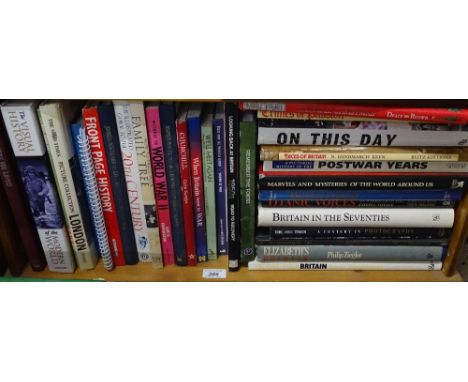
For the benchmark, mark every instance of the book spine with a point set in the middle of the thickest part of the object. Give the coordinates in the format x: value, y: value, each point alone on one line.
x: 428, y: 265
x: 86, y: 163
x: 350, y: 137
x: 186, y: 188
x: 219, y: 135
x: 14, y: 192
x: 140, y: 131
x: 368, y: 195
x: 160, y: 183
x: 28, y: 146
x: 10, y: 241
x: 365, y: 166
x: 61, y: 153
x: 209, y: 188
x: 333, y: 233
x: 118, y: 183
x: 353, y: 181
x: 320, y: 110
x: 3, y: 264
x: 232, y: 150
x: 350, y: 203
x: 196, y: 160
x: 271, y: 154
x: 349, y: 253
x: 132, y: 176
x: 356, y: 217
x: 171, y: 155
x: 95, y: 140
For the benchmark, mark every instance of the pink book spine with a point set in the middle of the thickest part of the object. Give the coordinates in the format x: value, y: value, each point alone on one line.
x: 160, y: 183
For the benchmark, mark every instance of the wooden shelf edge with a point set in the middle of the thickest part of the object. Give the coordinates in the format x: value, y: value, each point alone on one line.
x: 146, y: 272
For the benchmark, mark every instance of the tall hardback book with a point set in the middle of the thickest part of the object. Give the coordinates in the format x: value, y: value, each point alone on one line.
x: 111, y: 142
x: 196, y: 166
x: 55, y: 118
x: 95, y: 140
x: 29, y: 149
x: 186, y: 184
x: 233, y: 190
x: 139, y: 212
x: 355, y: 217
x: 17, y: 199
x: 209, y: 180
x: 160, y: 182
x: 10, y: 241
x: 316, y: 110
x: 219, y: 137
x: 248, y: 196
x: 137, y: 111
x: 86, y: 164
x: 167, y: 115
x: 3, y: 264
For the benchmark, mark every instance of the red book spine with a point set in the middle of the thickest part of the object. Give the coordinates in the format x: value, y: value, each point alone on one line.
x: 158, y: 165
x: 186, y: 188
x: 101, y: 169
x: 311, y: 110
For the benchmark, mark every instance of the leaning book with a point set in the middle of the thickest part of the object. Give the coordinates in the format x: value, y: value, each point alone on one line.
x: 28, y: 146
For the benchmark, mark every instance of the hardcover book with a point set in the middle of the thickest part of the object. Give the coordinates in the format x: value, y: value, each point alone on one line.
x: 196, y: 161
x: 232, y: 149
x: 111, y: 143
x: 55, y: 117
x: 17, y: 199
x: 137, y: 111
x: 10, y: 241
x: 356, y: 217
x: 86, y: 163
x: 141, y: 216
x: 160, y: 182
x: 209, y: 180
x: 186, y: 185
x: 315, y: 110
x: 219, y: 136
x: 167, y: 116
x: 248, y: 170
x: 95, y: 140
x: 29, y: 149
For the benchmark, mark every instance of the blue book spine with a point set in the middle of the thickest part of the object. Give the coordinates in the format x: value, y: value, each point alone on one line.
x: 171, y: 155
x: 194, y: 130
x: 117, y: 177
x: 85, y: 171
x: 219, y: 136
x: 266, y: 195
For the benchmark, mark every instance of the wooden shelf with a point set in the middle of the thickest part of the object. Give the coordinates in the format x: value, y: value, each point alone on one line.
x: 146, y: 272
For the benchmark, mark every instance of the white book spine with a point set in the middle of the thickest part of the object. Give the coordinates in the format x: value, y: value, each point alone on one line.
x: 132, y: 177
x: 360, y: 137
x: 59, y: 145
x: 365, y: 166
x: 355, y: 217
x: 28, y: 145
x: 345, y: 266
x: 137, y: 112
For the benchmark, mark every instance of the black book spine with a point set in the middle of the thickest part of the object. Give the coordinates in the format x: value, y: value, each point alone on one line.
x: 232, y: 121
x: 171, y: 155
x: 3, y: 265
x: 117, y: 177
x: 351, y: 182
x: 353, y: 233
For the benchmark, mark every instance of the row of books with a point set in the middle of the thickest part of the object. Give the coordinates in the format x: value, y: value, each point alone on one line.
x: 339, y: 192
x: 128, y: 182
x: 182, y: 183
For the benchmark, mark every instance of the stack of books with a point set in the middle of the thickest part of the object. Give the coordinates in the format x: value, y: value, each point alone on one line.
x: 347, y: 187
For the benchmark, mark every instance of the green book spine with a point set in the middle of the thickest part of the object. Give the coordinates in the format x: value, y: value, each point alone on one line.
x: 209, y: 182
x: 248, y: 161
